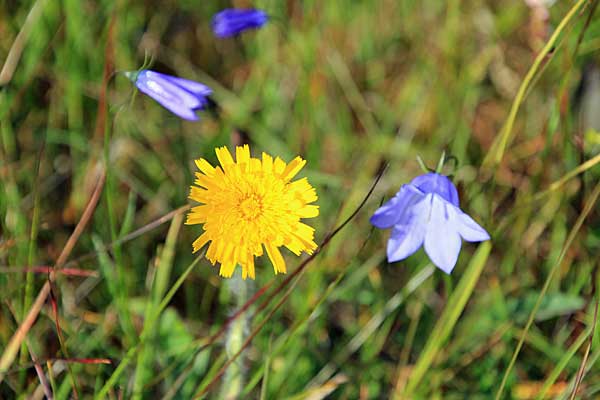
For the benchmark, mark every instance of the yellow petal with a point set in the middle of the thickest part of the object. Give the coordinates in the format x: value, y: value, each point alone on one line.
x: 224, y: 157
x: 207, y: 182
x: 278, y: 166
x: 267, y: 163
x: 309, y: 211
x: 250, y: 267
x: 242, y: 154
x: 276, y: 258
x: 204, y: 166
x: 196, y: 216
x: 227, y: 269
x: 201, y: 241
x: 255, y: 165
x: 199, y: 195
x: 293, y: 168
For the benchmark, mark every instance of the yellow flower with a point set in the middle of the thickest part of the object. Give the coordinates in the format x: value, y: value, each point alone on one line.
x: 250, y: 203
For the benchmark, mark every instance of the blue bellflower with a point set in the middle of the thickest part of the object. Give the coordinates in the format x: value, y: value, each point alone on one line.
x: 180, y: 96
x: 232, y: 21
x: 426, y: 213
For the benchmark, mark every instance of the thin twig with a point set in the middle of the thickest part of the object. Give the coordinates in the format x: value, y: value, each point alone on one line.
x: 38, y: 368
x: 567, y: 244
x: 14, y: 344
x: 581, y: 371
x: 133, y: 235
x: 45, y: 269
x: 496, y: 153
x: 14, y: 54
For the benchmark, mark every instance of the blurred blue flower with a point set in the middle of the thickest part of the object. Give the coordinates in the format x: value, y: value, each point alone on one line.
x: 426, y: 212
x: 180, y: 96
x: 232, y: 21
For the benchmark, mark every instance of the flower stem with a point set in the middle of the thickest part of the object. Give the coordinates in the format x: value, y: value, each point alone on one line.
x: 233, y: 380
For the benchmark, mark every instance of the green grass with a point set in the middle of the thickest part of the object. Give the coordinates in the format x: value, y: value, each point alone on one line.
x: 349, y: 86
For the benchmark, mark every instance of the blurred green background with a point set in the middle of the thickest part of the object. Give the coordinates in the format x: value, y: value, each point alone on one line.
x: 349, y: 86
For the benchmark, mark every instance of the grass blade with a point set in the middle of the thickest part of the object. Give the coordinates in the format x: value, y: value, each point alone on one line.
x: 444, y: 326
x: 567, y: 245
x: 496, y: 152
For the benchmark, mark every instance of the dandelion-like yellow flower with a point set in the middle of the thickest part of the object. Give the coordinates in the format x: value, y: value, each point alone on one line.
x: 250, y: 203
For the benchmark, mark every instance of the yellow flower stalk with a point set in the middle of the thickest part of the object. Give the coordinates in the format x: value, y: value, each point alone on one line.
x: 248, y: 204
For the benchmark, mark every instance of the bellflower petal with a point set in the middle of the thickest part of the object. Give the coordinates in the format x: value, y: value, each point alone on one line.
x: 232, y: 21
x: 408, y: 237
x: 180, y: 96
x: 397, y: 208
x: 470, y: 230
x: 197, y: 88
x: 442, y: 241
x: 436, y: 183
x: 426, y: 213
x: 160, y: 88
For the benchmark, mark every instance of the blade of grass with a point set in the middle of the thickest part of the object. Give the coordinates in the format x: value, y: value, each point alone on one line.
x: 588, y: 207
x: 266, y: 367
x: 122, y: 292
x: 133, y: 235
x: 455, y: 306
x: 322, y: 391
x: 576, y: 171
x: 63, y: 344
x: 524, y: 205
x: 36, y: 364
x: 591, y: 361
x: 9, y: 353
x: 370, y: 327
x: 496, y: 152
x: 581, y: 371
x: 129, y: 215
x: 14, y: 54
x: 406, y: 350
x: 107, y: 268
x: 161, y: 280
x: 112, y: 380
x: 46, y: 269
x: 282, y: 340
x: 562, y: 364
x: 33, y: 233
x: 351, y: 91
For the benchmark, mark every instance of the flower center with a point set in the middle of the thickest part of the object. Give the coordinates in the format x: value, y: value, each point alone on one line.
x: 251, y: 207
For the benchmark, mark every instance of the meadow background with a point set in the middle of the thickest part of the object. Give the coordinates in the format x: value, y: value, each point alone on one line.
x: 94, y: 180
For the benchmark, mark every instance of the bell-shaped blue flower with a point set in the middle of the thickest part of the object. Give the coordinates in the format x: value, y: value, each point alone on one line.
x: 180, y: 96
x: 426, y: 213
x: 232, y: 21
